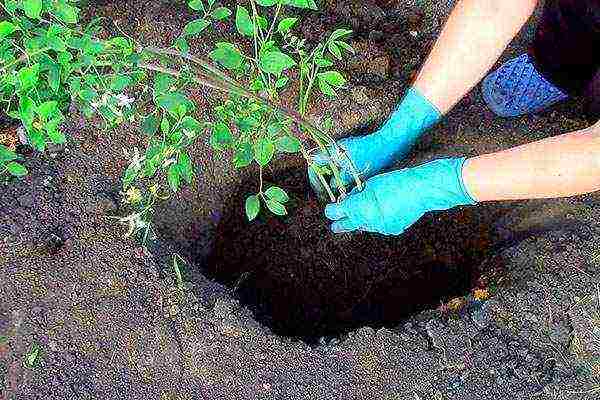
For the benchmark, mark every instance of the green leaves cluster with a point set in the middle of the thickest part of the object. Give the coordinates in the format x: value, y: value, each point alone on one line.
x: 250, y: 130
x: 47, y: 61
x: 274, y: 198
x: 50, y: 62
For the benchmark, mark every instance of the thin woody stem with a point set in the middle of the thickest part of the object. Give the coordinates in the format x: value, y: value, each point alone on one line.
x: 233, y: 86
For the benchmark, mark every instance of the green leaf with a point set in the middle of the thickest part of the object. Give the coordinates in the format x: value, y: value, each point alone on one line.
x: 310, y: 4
x: 182, y: 110
x: 88, y: 94
x: 326, y: 88
x: 55, y: 135
x: 11, y: 6
x: 333, y: 78
x: 120, y: 82
x: 227, y: 55
x: 243, y: 22
x: 264, y: 150
x: 28, y: 77
x: 221, y: 136
x: 243, y: 156
x: 16, y: 169
x: 346, y: 46
x: 221, y: 13
x: 246, y: 124
x: 172, y: 101
x: 33, y: 356
x: 173, y: 177
x: 288, y: 144
x: 56, y: 43
x: 32, y: 8
x: 252, y: 207
x: 150, y: 125
x: 266, y: 3
x: 281, y: 82
x: 276, y: 207
x: 262, y: 22
x: 327, y: 124
x: 6, y: 154
x: 275, y: 62
x: 196, y: 26
x: 335, y: 50
x: 182, y: 45
x: 129, y: 175
x: 165, y: 125
x: 26, y: 110
x: 339, y: 33
x: 47, y: 108
x: 323, y: 62
x: 277, y: 194
x: 54, y: 78
x: 6, y: 29
x: 65, y: 12
x: 196, y: 5
x: 191, y: 124
x: 286, y: 24
x: 121, y: 42
x: 64, y: 58
x: 185, y: 167
x: 273, y: 128
x: 36, y: 138
x: 162, y: 83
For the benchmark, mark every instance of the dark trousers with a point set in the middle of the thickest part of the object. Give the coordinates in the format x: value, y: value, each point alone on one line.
x: 566, y: 49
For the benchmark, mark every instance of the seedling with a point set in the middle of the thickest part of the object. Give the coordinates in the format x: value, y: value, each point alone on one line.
x: 33, y: 356
x: 49, y: 60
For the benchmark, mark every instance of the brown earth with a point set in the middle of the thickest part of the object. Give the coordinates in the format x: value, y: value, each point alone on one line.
x: 112, y: 323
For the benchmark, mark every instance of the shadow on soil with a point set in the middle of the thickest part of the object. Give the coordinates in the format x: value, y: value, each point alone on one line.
x: 304, y: 282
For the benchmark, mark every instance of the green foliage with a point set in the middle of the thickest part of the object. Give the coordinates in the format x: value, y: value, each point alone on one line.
x: 49, y: 61
x: 33, y: 357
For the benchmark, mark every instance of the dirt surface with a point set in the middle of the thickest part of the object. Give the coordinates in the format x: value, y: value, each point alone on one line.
x: 112, y: 323
x: 302, y: 281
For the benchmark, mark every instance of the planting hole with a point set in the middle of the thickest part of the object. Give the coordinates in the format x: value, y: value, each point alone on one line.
x: 305, y: 282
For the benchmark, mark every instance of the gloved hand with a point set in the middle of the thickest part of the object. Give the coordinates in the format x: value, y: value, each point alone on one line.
x: 393, y: 141
x: 392, y: 202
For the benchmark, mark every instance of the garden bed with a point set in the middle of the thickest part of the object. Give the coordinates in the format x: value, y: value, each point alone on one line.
x: 113, y: 321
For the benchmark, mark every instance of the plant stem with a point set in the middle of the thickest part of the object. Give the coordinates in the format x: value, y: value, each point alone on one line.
x: 177, y: 74
x: 319, y: 175
x: 277, y: 11
x: 232, y: 86
x: 254, y: 20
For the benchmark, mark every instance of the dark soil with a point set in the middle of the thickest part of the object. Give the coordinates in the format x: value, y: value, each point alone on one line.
x: 303, y: 281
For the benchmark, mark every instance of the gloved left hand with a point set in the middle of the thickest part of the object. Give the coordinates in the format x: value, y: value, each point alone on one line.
x: 392, y: 202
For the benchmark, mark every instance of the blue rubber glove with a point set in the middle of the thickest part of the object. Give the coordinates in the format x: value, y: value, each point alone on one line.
x: 393, y: 141
x: 392, y: 202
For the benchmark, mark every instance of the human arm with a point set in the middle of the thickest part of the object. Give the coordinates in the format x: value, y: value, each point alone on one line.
x: 559, y: 166
x: 473, y: 38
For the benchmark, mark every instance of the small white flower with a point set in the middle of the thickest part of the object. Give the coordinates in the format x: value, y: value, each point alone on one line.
x: 189, y: 134
x: 168, y: 162
x: 22, y: 135
x: 124, y: 100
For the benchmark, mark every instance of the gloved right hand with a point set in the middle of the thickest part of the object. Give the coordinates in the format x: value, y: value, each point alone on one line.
x: 391, y: 202
x: 372, y: 153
